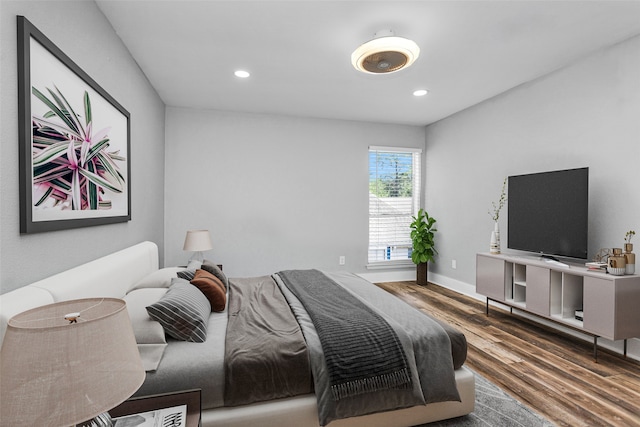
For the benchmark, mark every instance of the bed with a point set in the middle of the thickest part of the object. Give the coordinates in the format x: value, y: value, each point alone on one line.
x: 232, y: 395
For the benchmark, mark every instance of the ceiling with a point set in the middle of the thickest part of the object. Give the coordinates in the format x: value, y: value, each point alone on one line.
x: 298, y: 52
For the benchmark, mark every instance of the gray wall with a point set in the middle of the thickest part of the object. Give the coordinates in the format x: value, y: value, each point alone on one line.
x: 585, y: 115
x: 80, y: 30
x: 276, y: 192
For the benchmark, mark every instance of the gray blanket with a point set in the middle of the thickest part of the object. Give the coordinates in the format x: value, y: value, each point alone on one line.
x: 362, y: 352
x: 425, y: 343
x: 265, y: 354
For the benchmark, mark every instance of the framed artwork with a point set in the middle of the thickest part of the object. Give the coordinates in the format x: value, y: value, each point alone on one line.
x: 181, y: 409
x: 75, y: 166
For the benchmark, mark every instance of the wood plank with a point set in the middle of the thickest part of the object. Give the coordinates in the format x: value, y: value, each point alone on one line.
x: 551, y: 372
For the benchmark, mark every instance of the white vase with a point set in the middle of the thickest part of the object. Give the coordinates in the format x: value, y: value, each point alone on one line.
x: 630, y: 259
x: 494, y: 247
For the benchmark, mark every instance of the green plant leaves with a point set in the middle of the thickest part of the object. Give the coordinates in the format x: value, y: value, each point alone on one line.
x: 87, y: 108
x: 54, y: 109
x: 70, y: 160
x: 422, y: 237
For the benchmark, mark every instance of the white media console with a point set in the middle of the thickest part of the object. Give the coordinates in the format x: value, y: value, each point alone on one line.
x: 609, y: 304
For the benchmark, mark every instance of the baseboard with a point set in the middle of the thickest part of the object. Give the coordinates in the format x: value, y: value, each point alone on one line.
x: 396, y: 275
x: 455, y: 285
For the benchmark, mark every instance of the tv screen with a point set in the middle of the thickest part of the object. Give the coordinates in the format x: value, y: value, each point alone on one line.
x: 548, y: 212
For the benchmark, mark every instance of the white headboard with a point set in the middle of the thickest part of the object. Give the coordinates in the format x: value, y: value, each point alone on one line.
x: 110, y: 276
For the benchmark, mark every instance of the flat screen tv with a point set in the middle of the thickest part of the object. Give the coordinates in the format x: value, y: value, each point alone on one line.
x: 548, y: 213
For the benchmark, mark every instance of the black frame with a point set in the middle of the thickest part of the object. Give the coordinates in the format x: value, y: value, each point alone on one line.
x: 26, y: 32
x: 138, y: 405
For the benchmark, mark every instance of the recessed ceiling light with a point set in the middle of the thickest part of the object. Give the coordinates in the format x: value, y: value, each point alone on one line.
x: 385, y: 54
x: 242, y: 74
x: 420, y: 92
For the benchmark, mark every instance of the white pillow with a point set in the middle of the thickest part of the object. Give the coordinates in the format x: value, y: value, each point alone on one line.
x: 158, y: 279
x: 149, y: 334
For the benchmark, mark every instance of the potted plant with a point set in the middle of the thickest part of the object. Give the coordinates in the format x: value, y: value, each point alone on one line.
x: 422, y: 237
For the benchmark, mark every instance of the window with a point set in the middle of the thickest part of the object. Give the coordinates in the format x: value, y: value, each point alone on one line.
x: 394, y: 197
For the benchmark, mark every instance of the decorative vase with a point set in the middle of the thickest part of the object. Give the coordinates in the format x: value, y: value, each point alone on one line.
x: 494, y: 247
x: 630, y: 259
x: 616, y: 264
x: 421, y: 278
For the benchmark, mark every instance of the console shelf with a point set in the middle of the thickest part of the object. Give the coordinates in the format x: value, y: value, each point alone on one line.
x: 608, y: 303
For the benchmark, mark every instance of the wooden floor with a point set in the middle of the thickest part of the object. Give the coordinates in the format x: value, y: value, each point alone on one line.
x: 551, y: 372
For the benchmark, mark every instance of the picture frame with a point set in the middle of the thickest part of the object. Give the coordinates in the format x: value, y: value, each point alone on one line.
x: 160, y: 405
x: 75, y: 142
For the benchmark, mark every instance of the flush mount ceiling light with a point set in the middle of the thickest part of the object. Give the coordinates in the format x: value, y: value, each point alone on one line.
x: 386, y: 53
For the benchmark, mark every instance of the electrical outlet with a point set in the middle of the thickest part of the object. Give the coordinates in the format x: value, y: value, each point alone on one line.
x: 342, y: 260
x: 454, y: 264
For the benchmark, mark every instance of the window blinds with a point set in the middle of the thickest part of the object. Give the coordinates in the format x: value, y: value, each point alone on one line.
x: 394, y: 197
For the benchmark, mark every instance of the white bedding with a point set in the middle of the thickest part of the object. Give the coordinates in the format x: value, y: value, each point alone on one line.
x: 188, y: 365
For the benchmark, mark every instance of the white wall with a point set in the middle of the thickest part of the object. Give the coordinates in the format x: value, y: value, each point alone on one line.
x: 80, y: 30
x: 276, y: 192
x: 585, y: 115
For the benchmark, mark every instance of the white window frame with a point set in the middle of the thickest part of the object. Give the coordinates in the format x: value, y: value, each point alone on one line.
x: 376, y: 205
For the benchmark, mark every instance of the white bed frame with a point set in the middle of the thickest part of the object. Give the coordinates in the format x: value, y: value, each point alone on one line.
x: 113, y: 275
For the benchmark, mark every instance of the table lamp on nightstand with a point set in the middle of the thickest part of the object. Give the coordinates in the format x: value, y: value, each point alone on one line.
x: 197, y: 241
x: 68, y: 362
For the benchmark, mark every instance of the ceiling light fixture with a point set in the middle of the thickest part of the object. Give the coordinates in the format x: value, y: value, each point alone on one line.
x: 242, y: 74
x: 420, y: 92
x: 386, y: 53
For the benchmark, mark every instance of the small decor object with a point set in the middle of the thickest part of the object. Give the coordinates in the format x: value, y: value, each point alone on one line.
x: 422, y: 238
x: 494, y: 246
x: 74, y: 142
x: 197, y: 241
x: 61, y: 372
x: 600, y: 260
x: 630, y: 257
x: 602, y: 255
x: 616, y: 264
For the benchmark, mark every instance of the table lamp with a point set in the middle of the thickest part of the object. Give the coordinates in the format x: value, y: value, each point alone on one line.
x: 66, y: 363
x: 197, y: 241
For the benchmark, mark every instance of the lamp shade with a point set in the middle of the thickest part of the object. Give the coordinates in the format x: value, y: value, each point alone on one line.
x: 64, y: 363
x: 197, y: 241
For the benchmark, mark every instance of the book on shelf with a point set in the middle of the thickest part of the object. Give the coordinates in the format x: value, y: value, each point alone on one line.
x: 596, y: 265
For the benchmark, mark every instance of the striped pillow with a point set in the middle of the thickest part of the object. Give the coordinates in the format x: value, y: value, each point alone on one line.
x: 186, y: 274
x: 183, y: 312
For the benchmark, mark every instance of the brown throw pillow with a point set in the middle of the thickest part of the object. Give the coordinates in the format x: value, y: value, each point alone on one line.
x: 212, y: 288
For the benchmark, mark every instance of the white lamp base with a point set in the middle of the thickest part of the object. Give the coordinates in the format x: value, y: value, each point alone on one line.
x: 197, y: 256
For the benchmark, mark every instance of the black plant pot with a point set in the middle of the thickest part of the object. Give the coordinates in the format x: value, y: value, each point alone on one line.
x: 421, y: 278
